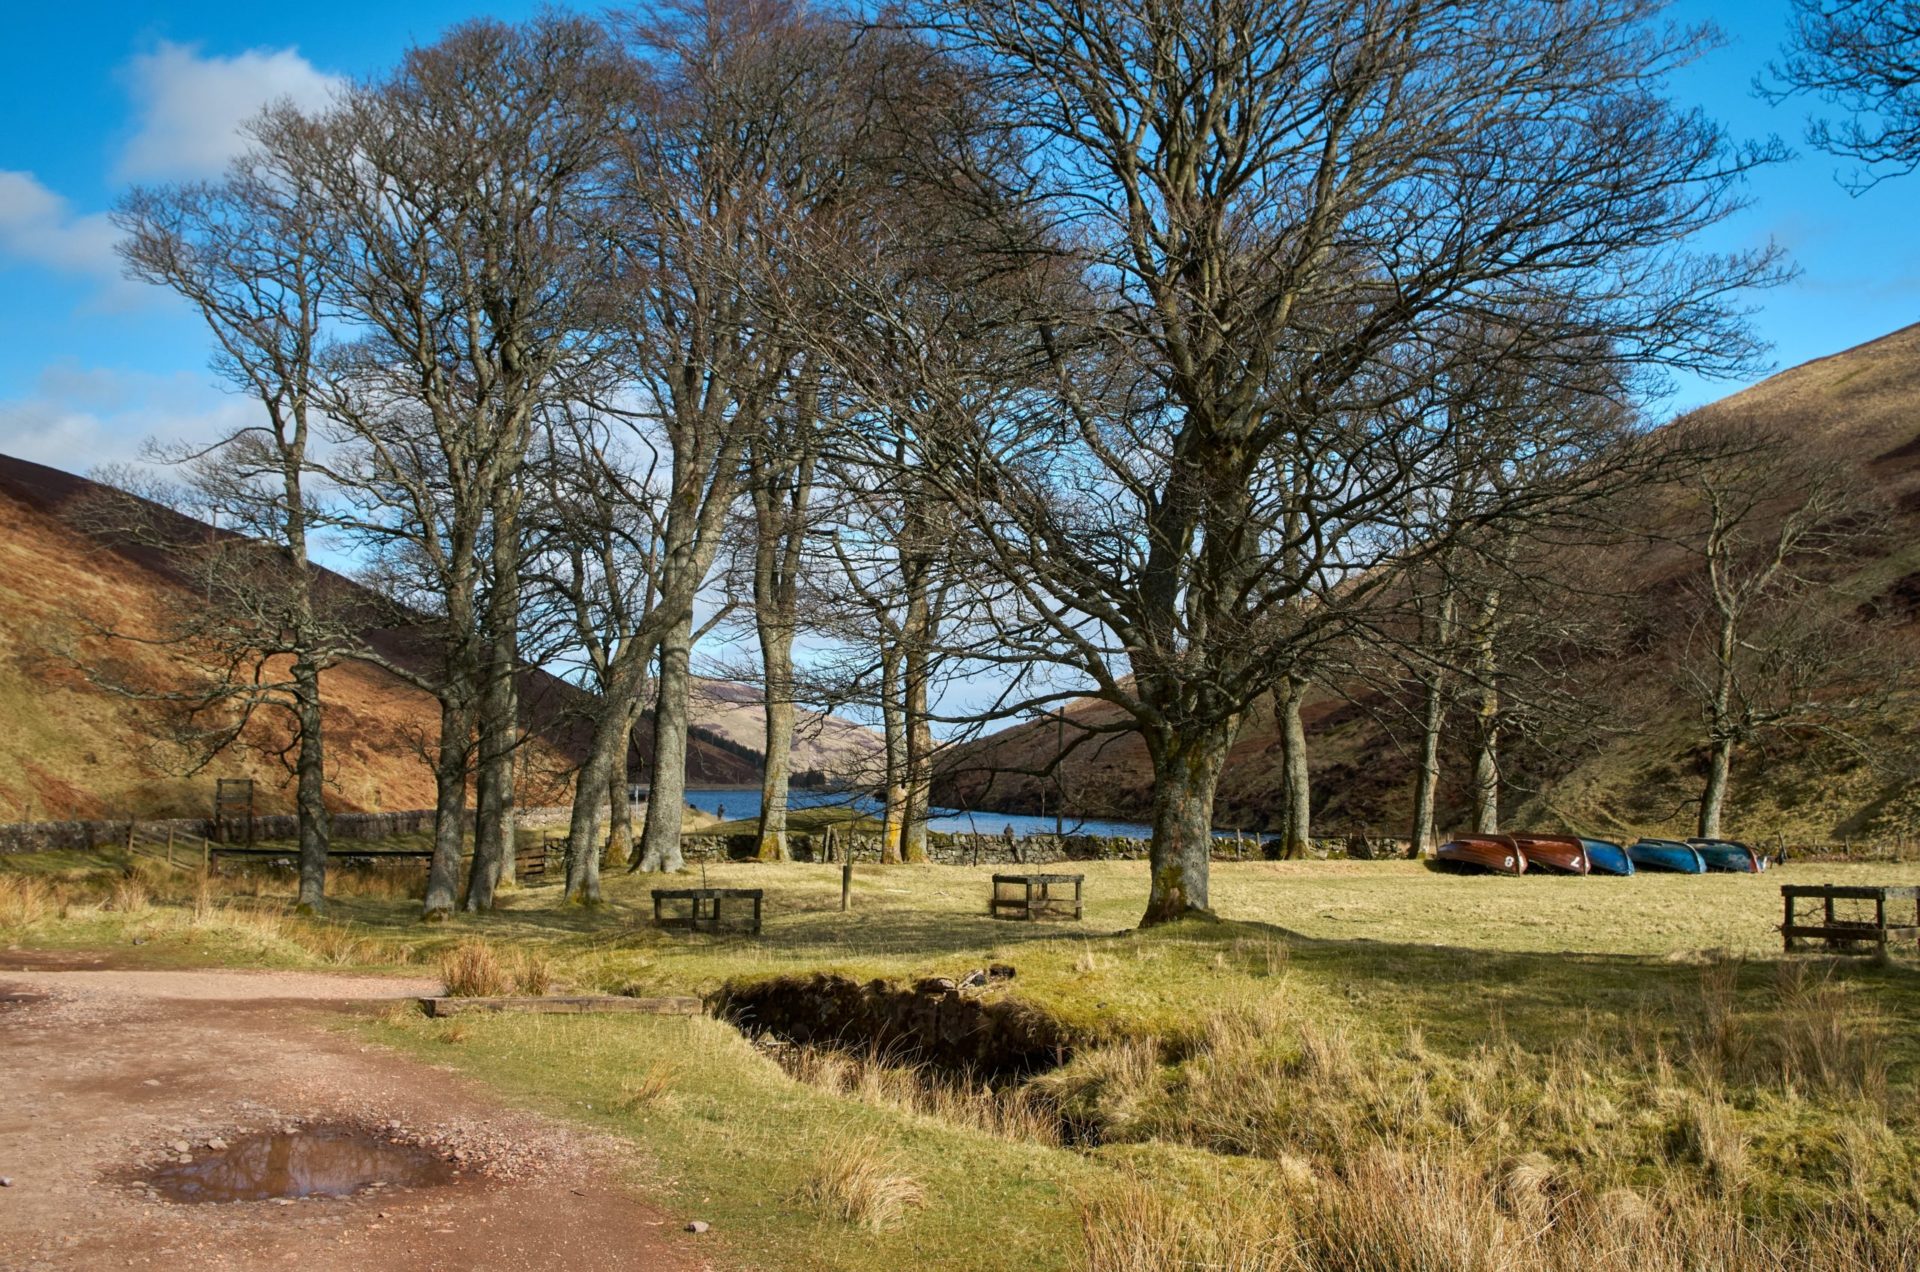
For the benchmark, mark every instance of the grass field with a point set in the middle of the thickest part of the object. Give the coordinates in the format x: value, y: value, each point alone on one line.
x: 1357, y: 1065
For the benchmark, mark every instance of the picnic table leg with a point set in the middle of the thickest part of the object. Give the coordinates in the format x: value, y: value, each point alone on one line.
x: 1786, y: 927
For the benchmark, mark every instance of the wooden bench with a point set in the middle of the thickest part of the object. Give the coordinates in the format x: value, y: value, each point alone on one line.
x: 1842, y: 934
x: 1030, y: 896
x: 704, y: 907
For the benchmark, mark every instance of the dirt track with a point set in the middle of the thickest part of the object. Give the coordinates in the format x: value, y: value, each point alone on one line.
x: 104, y: 1069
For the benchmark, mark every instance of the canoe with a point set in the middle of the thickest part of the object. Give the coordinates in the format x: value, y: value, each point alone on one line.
x: 1563, y: 853
x: 1607, y: 858
x: 1727, y: 854
x: 1495, y: 854
x: 1666, y: 854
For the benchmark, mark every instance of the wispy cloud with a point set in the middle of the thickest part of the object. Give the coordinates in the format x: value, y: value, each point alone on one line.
x: 78, y: 417
x: 39, y: 227
x: 189, y: 107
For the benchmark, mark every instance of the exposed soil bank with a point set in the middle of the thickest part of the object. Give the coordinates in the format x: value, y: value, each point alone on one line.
x: 943, y: 1024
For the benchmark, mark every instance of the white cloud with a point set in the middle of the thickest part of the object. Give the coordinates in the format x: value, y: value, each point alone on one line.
x: 39, y: 227
x: 78, y: 417
x: 189, y: 107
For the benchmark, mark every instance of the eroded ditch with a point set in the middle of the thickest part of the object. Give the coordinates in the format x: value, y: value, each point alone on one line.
x: 955, y: 1048
x: 328, y: 1160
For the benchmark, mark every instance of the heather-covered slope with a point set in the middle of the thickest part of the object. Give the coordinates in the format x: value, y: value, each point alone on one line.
x: 1643, y: 772
x: 69, y: 748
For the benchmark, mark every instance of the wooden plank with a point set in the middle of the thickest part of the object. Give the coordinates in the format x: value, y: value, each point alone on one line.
x: 1865, y: 932
x: 577, y: 1004
x: 1851, y: 892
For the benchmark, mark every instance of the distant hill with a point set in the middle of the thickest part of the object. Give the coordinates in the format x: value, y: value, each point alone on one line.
x: 1643, y: 778
x: 70, y: 748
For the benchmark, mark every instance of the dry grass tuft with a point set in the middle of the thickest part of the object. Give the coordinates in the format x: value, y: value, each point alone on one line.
x: 130, y: 895
x: 24, y: 901
x: 472, y: 969
x: 532, y: 972
x: 858, y: 1181
x: 650, y: 1090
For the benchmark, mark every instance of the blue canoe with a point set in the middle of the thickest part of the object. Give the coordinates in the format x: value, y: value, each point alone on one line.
x: 1607, y: 858
x: 1727, y: 854
x: 1666, y: 854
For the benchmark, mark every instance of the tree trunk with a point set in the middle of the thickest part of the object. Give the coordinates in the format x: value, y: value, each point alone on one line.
x: 776, y: 648
x: 620, y: 791
x: 594, y: 788
x: 310, y: 792
x: 1720, y: 732
x: 1423, y: 839
x: 917, y: 633
x: 667, y: 781
x: 1486, y: 766
x: 1186, y: 771
x: 450, y: 805
x: 893, y: 722
x: 1297, y: 827
x: 493, y: 779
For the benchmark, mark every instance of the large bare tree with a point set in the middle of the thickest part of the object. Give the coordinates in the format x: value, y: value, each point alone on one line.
x: 251, y: 255
x: 467, y: 193
x: 1282, y: 221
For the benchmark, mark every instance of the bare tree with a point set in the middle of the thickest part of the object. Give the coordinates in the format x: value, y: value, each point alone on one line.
x: 1863, y: 58
x: 1771, y: 648
x: 251, y: 257
x: 467, y: 194
x: 1281, y: 220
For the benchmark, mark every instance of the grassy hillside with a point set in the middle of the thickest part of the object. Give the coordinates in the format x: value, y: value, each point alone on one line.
x: 73, y: 749
x: 1640, y: 771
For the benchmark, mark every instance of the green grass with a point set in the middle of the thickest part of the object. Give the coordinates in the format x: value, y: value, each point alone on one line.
x: 1639, y: 1033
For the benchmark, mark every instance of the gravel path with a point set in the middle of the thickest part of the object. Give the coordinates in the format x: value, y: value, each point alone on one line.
x: 109, y: 1071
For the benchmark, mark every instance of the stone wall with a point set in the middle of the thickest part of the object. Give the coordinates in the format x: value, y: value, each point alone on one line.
x: 56, y: 835
x: 1028, y: 850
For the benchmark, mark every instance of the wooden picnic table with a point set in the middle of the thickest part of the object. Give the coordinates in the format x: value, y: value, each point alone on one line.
x: 703, y: 913
x: 1030, y: 896
x: 1839, y: 933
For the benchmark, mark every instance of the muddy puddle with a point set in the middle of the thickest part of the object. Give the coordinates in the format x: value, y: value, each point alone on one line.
x: 318, y: 1161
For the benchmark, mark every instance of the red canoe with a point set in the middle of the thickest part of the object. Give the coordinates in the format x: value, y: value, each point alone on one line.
x: 1555, y: 852
x: 1495, y: 853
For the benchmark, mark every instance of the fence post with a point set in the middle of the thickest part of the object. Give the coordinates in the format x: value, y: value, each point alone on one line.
x: 846, y: 882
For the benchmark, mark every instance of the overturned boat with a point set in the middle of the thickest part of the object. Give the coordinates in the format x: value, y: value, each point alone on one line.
x: 1606, y: 857
x: 1728, y: 854
x: 1492, y: 854
x: 1666, y: 854
x: 1562, y: 853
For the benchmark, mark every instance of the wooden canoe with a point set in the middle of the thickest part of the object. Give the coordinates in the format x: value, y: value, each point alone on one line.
x: 1606, y: 857
x: 1563, y: 853
x: 1494, y: 854
x: 1666, y: 854
x: 1727, y: 854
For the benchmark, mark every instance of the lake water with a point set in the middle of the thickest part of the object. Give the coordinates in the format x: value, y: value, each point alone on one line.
x: 739, y: 803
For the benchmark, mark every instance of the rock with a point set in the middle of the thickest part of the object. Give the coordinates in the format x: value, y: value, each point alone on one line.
x: 6, y: 1181
x: 216, y: 1144
x: 1000, y: 971
x: 151, y: 1082
x: 698, y: 1225
x: 973, y: 979
x: 181, y: 1146
x: 934, y: 985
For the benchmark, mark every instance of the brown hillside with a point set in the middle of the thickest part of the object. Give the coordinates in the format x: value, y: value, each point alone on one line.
x: 69, y: 748
x: 1639, y: 778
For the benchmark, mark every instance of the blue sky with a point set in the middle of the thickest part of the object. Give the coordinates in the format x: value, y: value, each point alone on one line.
x: 97, y: 95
